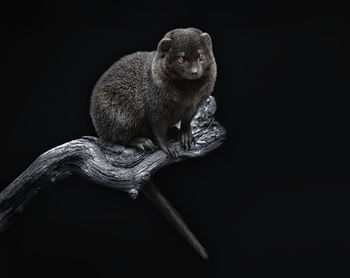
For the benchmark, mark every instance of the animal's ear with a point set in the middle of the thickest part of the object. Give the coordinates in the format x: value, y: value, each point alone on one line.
x: 164, y: 45
x: 207, y: 40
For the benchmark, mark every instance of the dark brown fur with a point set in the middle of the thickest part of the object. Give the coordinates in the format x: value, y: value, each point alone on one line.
x: 143, y: 94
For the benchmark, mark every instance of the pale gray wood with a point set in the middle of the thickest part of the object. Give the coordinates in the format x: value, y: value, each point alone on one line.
x: 110, y: 165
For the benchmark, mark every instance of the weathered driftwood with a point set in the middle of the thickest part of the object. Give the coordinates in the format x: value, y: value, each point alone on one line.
x: 110, y: 165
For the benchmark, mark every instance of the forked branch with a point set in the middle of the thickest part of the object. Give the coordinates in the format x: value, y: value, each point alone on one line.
x: 106, y: 164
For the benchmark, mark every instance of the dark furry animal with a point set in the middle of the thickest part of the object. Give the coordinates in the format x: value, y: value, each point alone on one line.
x: 143, y: 94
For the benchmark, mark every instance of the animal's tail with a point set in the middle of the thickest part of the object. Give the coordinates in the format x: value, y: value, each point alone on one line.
x: 153, y: 193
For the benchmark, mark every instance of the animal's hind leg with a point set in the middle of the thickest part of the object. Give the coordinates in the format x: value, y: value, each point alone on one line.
x: 141, y: 143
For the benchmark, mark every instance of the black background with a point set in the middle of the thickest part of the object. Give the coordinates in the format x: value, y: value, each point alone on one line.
x: 273, y: 200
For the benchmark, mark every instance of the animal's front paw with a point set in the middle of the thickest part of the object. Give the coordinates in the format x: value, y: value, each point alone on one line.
x: 186, y: 138
x: 142, y: 143
x: 169, y: 148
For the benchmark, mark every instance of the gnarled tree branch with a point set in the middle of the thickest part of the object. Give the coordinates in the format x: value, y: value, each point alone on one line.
x: 110, y: 165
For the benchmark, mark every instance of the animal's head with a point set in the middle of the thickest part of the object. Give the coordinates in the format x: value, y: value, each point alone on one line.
x: 186, y: 54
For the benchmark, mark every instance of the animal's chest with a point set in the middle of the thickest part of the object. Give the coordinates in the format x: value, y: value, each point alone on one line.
x: 181, y: 107
x: 174, y: 104
x: 180, y: 102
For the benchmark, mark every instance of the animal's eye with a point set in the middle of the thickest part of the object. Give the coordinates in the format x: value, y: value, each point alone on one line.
x: 201, y: 57
x: 180, y: 60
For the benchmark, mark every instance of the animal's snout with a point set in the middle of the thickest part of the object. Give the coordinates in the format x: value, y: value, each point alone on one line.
x: 194, y: 71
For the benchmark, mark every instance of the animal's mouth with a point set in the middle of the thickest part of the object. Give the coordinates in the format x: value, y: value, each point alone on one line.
x: 193, y: 77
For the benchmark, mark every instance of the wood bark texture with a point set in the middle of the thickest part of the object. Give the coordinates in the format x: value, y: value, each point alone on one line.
x: 106, y: 164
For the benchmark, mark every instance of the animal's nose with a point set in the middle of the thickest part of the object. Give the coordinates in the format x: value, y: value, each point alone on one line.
x: 194, y: 71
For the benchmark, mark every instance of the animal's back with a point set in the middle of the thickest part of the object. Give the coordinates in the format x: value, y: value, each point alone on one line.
x: 117, y: 102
